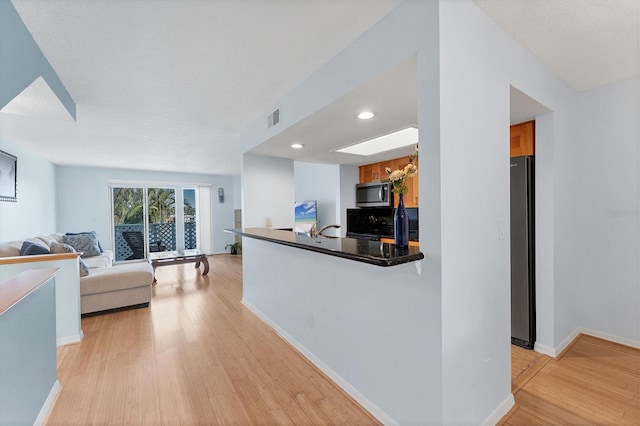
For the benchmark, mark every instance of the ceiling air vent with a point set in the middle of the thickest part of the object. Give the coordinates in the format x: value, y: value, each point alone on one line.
x: 274, y: 118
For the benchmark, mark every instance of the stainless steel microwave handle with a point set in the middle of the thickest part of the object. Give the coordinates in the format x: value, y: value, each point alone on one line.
x: 380, y: 193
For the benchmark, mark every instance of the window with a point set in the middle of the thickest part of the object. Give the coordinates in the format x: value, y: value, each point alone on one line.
x: 190, y: 218
x: 159, y: 217
x: 143, y: 221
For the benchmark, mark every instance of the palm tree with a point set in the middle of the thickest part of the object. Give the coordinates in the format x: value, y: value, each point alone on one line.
x: 127, y: 205
x: 189, y: 210
x: 162, y: 204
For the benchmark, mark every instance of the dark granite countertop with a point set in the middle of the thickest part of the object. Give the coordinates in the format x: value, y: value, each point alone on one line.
x: 372, y: 252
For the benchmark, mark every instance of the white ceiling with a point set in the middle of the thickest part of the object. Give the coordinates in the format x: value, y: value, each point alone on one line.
x: 588, y: 43
x: 168, y: 84
x: 392, y: 95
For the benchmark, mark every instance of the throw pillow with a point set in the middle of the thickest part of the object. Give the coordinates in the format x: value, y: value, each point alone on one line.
x: 87, y: 244
x: 61, y: 248
x: 94, y: 233
x: 66, y: 248
x: 30, y: 249
x: 84, y: 269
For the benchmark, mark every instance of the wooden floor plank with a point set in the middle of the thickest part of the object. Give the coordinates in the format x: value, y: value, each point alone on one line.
x: 525, y: 364
x: 195, y: 356
x: 593, y: 382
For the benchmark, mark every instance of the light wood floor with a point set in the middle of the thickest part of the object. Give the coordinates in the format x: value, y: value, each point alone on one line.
x: 593, y: 382
x: 195, y: 356
x: 524, y: 365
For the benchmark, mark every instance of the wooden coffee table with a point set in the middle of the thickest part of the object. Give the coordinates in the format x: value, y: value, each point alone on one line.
x: 177, y: 257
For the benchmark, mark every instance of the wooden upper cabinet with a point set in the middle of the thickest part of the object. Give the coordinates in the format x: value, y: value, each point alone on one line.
x: 370, y: 173
x: 376, y: 172
x: 523, y: 139
x: 383, y: 166
x: 397, y: 163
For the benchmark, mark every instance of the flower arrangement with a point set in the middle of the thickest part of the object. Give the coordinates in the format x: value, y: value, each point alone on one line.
x: 399, y: 177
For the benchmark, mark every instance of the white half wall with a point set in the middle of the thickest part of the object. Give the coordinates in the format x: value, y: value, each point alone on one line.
x: 28, y: 354
x: 369, y: 325
x: 67, y: 292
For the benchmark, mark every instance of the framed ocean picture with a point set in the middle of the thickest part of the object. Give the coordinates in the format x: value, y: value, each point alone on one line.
x: 8, y: 177
x: 306, y: 214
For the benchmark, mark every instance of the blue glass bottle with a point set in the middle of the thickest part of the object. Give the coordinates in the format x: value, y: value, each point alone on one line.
x: 401, y: 224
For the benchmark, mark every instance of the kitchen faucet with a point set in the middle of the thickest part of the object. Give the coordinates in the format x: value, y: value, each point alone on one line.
x: 313, y: 233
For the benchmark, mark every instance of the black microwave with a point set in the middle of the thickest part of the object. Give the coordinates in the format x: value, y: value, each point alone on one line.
x: 374, y: 194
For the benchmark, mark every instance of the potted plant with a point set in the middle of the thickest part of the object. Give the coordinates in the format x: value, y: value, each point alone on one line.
x: 235, y: 247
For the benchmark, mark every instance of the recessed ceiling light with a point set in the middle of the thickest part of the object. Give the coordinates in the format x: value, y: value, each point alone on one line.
x: 296, y: 145
x: 365, y: 115
x: 399, y: 139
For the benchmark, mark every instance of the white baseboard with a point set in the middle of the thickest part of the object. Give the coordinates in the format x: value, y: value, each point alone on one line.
x: 61, y: 341
x: 342, y: 383
x: 544, y: 349
x: 500, y: 411
x: 599, y: 334
x: 566, y: 342
x: 48, y: 404
x: 611, y: 337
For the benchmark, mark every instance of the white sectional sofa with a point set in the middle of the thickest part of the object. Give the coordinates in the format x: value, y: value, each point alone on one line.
x: 106, y: 286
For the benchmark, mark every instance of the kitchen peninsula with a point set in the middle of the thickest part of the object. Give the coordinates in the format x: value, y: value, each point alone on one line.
x: 349, y: 306
x: 372, y: 252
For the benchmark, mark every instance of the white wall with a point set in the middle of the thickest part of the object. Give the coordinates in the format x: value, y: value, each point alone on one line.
x: 22, y: 63
x: 466, y: 65
x: 544, y: 234
x: 319, y: 182
x: 35, y: 212
x: 83, y: 199
x: 411, y: 392
x: 342, y: 74
x: 349, y: 177
x: 364, y: 323
x: 478, y: 63
x: 237, y: 192
x: 608, y: 284
x: 475, y: 195
x: 268, y: 192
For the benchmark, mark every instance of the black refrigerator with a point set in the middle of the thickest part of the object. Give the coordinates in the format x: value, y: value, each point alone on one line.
x: 523, y: 279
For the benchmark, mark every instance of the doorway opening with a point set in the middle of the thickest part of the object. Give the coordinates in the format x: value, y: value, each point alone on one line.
x: 524, y: 144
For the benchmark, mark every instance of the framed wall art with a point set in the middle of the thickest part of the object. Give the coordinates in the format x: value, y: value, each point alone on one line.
x: 8, y: 177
